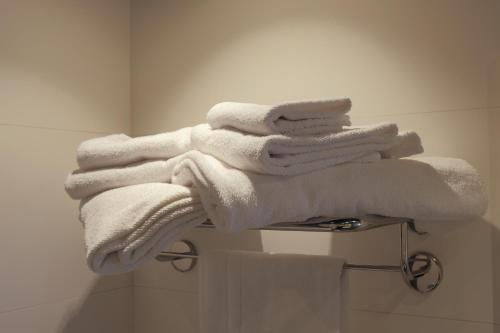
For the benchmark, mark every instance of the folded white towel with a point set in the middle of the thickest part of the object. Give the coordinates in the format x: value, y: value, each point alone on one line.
x: 292, y: 118
x: 120, y: 149
x: 260, y: 292
x: 285, y: 155
x: 406, y: 144
x: 424, y: 188
x: 127, y: 226
x: 82, y: 184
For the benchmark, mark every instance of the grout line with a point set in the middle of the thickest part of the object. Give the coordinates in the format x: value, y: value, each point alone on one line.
x: 53, y: 128
x: 354, y: 309
x: 98, y: 292
x: 427, y: 316
x: 473, y: 109
x: 166, y: 289
x: 361, y: 116
x: 103, y: 291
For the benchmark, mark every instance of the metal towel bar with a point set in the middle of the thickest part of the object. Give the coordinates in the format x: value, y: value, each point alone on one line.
x: 421, y: 271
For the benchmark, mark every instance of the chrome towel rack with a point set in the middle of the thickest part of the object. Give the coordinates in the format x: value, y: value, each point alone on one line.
x: 421, y: 271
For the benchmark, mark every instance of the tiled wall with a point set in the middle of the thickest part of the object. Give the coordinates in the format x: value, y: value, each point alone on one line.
x: 64, y: 78
x: 428, y: 66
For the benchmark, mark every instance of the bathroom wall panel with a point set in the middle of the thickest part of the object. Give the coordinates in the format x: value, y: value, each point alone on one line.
x: 64, y: 78
x: 104, y: 312
x: 40, y: 235
x: 167, y: 311
x: 390, y: 323
x: 64, y: 64
x: 495, y: 208
x: 391, y: 57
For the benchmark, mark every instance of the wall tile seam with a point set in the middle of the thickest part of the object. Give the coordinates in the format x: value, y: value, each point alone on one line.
x: 137, y: 127
x: 133, y: 129
x: 179, y: 291
x: 55, y: 129
x: 471, y: 109
x: 163, y: 289
x: 403, y: 314
x: 58, y: 300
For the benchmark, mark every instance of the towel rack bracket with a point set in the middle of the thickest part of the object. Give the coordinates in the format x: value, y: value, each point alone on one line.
x: 421, y: 271
x: 426, y: 272
x: 182, y: 260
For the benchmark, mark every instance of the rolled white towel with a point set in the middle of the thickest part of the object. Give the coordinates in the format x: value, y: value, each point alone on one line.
x: 424, y: 188
x: 291, y: 118
x: 120, y: 149
x: 128, y: 226
x: 285, y: 155
x: 82, y: 184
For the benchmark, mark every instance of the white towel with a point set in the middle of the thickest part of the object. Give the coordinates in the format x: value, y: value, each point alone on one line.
x: 82, y: 184
x: 284, y: 155
x: 424, y: 188
x: 406, y: 144
x: 120, y: 149
x: 292, y: 118
x: 128, y: 226
x: 252, y: 292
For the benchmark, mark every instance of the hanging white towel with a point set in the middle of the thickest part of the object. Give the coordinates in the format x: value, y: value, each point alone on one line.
x: 249, y: 292
x: 128, y: 226
x: 284, y: 155
x: 291, y: 118
x: 82, y: 184
x: 423, y: 188
x: 120, y: 149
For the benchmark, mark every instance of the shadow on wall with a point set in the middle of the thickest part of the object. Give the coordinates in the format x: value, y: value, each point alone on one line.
x: 464, y: 249
x: 496, y: 277
x: 99, y: 311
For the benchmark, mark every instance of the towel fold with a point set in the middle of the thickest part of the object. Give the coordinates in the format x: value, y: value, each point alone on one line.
x: 423, y: 188
x: 285, y: 155
x: 292, y: 118
x: 127, y: 226
x: 406, y: 144
x: 82, y: 184
x: 120, y: 149
x: 260, y: 292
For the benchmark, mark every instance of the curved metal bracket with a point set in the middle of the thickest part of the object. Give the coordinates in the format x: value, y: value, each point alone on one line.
x: 181, y: 261
x: 421, y: 271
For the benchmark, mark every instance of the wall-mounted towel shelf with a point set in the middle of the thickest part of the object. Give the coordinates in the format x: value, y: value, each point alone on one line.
x: 421, y: 271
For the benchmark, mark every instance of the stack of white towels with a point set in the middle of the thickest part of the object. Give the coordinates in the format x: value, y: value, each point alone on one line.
x: 255, y: 165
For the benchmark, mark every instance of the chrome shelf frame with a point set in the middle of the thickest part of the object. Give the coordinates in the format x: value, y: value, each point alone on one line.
x: 421, y: 271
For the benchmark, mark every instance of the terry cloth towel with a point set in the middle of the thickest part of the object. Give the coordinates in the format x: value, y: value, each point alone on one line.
x: 128, y: 226
x: 82, y: 184
x: 120, y: 149
x: 292, y: 118
x: 285, y: 155
x: 261, y: 292
x: 423, y: 188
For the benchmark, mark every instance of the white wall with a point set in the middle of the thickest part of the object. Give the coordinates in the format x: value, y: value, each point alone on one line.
x: 426, y: 65
x: 64, y: 78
